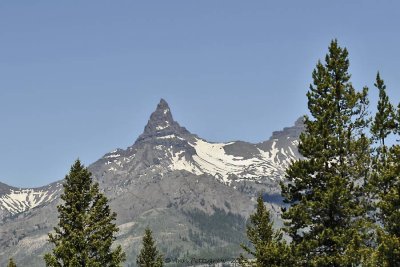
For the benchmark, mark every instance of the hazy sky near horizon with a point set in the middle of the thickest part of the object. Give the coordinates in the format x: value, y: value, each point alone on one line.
x: 80, y: 78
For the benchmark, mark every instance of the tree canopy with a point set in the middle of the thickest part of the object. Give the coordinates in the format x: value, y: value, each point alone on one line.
x: 149, y: 255
x: 86, y: 231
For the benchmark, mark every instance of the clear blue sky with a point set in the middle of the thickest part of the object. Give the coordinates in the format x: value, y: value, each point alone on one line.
x: 80, y: 78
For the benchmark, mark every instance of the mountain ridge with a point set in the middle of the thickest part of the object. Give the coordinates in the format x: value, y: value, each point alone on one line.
x: 163, y: 106
x: 169, y: 178
x: 162, y: 129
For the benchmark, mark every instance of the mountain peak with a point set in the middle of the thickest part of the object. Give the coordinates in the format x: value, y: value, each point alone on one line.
x: 161, y: 118
x: 163, y: 103
x: 161, y: 123
x: 162, y: 113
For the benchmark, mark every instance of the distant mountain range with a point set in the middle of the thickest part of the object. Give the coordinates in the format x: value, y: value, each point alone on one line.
x: 194, y: 194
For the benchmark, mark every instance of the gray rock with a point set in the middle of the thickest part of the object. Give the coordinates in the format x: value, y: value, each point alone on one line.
x: 195, y: 195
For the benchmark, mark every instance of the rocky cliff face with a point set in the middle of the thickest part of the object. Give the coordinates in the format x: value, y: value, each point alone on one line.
x: 170, y: 179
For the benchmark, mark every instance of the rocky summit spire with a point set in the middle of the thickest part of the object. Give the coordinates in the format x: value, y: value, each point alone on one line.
x: 161, y: 123
x: 161, y: 116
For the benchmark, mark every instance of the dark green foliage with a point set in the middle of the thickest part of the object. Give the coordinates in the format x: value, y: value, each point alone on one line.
x: 397, y: 120
x: 223, y: 225
x: 217, y: 235
x: 85, y: 231
x: 11, y: 263
x: 383, y: 125
x: 388, y: 204
x: 325, y: 220
x: 387, y: 253
x: 385, y: 181
x: 149, y: 255
x: 384, y: 120
x: 269, y: 248
x: 390, y: 201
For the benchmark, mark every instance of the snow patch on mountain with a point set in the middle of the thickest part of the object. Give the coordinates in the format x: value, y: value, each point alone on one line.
x: 212, y: 159
x: 112, y: 156
x: 170, y: 136
x: 179, y: 162
x: 21, y: 200
x: 17, y: 201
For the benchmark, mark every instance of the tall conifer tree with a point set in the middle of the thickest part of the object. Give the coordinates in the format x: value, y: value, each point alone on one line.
x: 388, y: 251
x: 397, y: 120
x: 149, y: 255
x: 86, y: 229
x: 324, y: 190
x: 385, y: 182
x: 384, y: 120
x: 269, y: 249
x: 383, y: 125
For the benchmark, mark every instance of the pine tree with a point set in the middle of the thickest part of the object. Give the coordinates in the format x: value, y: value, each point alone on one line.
x: 269, y: 247
x: 382, y: 126
x: 11, y: 263
x: 397, y: 121
x: 384, y: 121
x: 325, y: 188
x: 388, y: 203
x: 85, y: 231
x: 387, y: 253
x: 149, y: 255
x: 385, y: 181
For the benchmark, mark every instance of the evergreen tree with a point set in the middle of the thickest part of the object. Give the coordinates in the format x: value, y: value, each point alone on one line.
x: 149, y: 255
x: 269, y: 248
x: 384, y: 121
x: 385, y: 182
x: 85, y: 231
x: 382, y: 126
x: 397, y: 121
x: 325, y: 188
x: 11, y: 263
x: 388, y: 252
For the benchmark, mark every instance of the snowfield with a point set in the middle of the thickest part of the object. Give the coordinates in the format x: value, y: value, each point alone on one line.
x: 211, y: 158
x: 17, y: 201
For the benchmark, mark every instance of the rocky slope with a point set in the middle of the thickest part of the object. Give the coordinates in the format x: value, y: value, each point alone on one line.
x: 170, y: 179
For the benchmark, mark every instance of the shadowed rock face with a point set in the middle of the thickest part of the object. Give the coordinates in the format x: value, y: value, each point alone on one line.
x: 169, y: 179
x: 292, y: 132
x: 161, y: 123
x: 4, y: 189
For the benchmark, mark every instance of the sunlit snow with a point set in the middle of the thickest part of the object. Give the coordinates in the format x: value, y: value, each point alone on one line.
x: 21, y: 200
x: 211, y: 158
